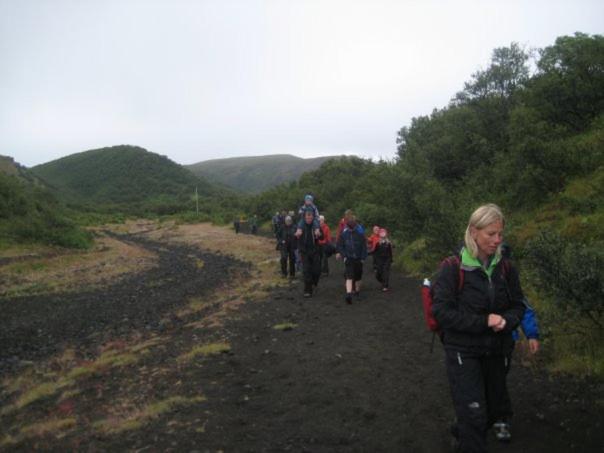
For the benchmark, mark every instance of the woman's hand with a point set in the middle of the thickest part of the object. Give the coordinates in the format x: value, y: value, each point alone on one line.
x: 533, y: 345
x: 496, y: 322
x: 338, y: 256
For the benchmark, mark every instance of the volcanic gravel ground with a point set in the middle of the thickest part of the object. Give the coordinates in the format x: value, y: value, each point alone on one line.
x: 345, y: 378
x: 33, y: 327
x: 361, y: 378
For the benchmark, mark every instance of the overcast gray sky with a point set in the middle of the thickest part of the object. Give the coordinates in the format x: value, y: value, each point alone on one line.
x: 198, y: 80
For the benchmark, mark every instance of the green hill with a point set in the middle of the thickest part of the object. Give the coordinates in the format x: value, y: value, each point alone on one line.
x: 30, y: 213
x: 258, y: 173
x: 121, y: 176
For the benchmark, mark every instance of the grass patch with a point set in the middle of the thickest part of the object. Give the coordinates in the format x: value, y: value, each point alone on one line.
x: 111, y: 358
x: 51, y: 270
x: 139, y: 418
x: 40, y: 391
x: 53, y: 426
x: 205, y: 350
x: 48, y: 426
x: 285, y: 326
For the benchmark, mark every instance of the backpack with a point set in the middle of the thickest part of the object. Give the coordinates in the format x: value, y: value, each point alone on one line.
x: 427, y: 290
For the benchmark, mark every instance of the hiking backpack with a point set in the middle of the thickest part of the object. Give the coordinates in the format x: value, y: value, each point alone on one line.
x: 427, y: 289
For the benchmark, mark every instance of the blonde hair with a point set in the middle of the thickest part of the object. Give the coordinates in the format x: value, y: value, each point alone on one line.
x: 481, y: 218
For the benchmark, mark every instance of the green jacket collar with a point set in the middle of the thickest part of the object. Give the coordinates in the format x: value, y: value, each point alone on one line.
x: 471, y: 263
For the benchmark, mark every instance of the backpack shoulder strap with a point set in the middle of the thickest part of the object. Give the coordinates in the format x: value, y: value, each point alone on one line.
x: 455, y: 262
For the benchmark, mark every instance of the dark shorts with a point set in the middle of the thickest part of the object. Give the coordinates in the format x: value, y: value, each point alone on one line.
x: 353, y: 270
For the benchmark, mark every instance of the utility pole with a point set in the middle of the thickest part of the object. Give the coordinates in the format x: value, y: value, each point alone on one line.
x: 196, y: 202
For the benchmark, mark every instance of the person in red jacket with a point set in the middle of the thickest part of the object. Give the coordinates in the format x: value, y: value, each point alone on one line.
x: 373, y: 239
x: 372, y: 242
x: 326, y: 245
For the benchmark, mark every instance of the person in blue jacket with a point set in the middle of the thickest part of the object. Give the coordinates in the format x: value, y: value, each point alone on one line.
x: 530, y: 329
x: 352, y: 247
x: 308, y: 206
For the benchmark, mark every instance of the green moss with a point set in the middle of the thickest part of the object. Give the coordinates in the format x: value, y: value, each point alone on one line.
x: 205, y: 351
x: 285, y: 326
x: 140, y: 417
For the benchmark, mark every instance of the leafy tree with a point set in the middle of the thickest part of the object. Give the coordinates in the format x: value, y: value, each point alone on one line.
x: 569, y: 86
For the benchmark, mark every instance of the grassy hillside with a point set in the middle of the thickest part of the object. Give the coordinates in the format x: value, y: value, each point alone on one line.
x: 255, y: 174
x: 123, y: 177
x: 30, y: 213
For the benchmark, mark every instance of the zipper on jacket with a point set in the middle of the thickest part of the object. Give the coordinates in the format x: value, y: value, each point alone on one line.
x: 491, y: 290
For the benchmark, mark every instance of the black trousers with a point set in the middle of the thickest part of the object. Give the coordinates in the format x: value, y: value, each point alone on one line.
x: 505, y: 412
x: 311, y: 266
x: 382, y: 272
x: 288, y: 256
x: 478, y: 390
x: 324, y: 261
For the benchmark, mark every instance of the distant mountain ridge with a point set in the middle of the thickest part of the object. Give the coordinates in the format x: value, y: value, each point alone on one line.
x: 122, y: 174
x: 257, y: 173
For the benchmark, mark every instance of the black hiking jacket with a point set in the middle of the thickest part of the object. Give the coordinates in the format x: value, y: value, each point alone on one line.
x: 463, y: 315
x: 383, y: 252
x: 286, y: 236
x: 307, y: 243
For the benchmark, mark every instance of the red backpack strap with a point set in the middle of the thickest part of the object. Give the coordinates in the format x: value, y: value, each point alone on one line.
x: 456, y: 262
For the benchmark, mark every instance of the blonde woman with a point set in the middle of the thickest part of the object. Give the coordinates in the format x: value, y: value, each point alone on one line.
x: 478, y: 303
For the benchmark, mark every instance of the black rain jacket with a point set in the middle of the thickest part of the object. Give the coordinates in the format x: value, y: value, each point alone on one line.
x: 463, y: 315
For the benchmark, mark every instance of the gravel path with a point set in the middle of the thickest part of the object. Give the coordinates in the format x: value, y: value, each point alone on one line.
x: 343, y: 378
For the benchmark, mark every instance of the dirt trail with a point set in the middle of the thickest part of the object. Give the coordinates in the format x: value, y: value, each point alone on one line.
x: 342, y: 378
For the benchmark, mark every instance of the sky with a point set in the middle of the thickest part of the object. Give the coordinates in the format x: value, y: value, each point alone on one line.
x: 199, y: 80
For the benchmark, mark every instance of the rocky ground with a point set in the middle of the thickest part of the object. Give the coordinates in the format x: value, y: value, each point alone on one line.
x: 208, y: 352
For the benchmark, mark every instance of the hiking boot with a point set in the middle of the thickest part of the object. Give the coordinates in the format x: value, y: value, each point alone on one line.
x: 307, y: 294
x: 502, y: 431
x: 357, y: 294
x: 385, y: 289
x: 348, y: 298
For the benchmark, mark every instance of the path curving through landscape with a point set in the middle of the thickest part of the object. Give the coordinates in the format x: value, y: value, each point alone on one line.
x: 338, y: 378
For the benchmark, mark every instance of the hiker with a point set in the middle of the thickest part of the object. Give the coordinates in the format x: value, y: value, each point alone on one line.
x: 352, y: 247
x: 276, y: 221
x: 310, y: 253
x: 372, y: 242
x: 237, y: 225
x: 476, y: 321
x: 342, y: 224
x: 382, y: 259
x: 326, y: 246
x: 308, y: 206
x: 254, y: 224
x: 287, y: 246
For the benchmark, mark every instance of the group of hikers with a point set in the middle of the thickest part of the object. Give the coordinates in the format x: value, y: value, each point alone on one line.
x: 476, y: 305
x: 308, y: 243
